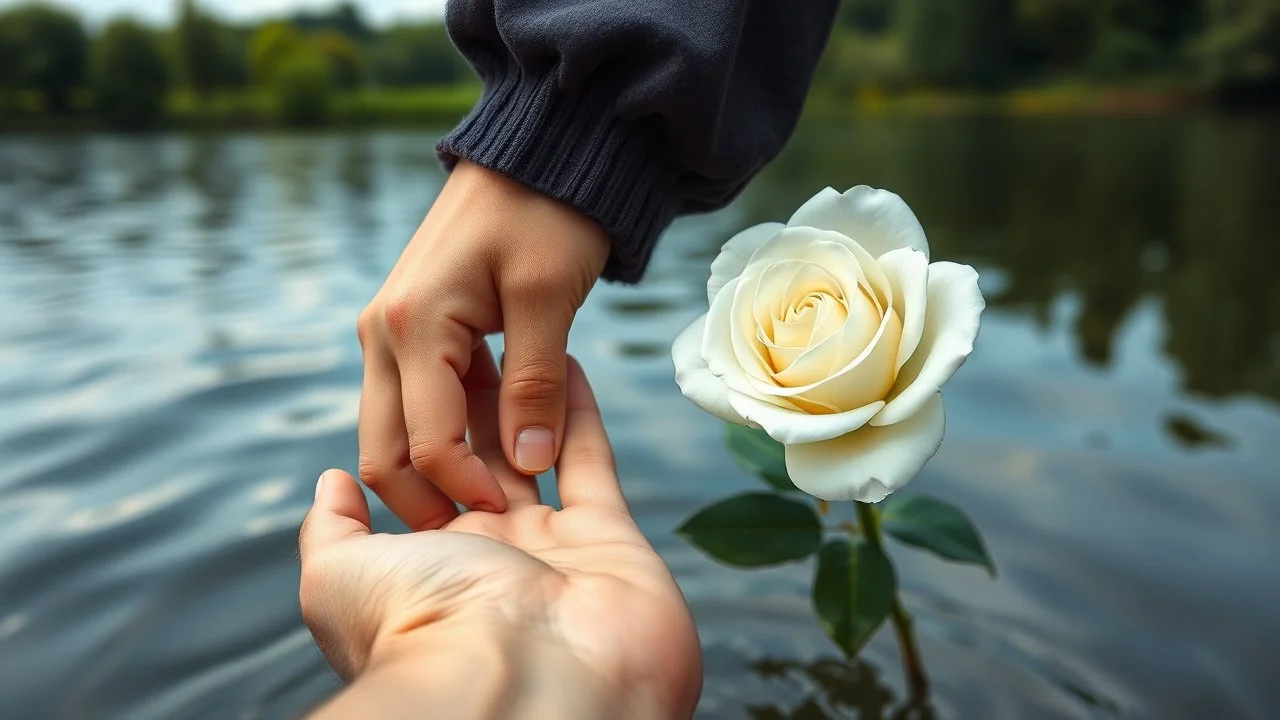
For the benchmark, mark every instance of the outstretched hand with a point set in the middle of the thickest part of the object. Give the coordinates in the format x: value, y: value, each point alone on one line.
x: 577, y: 596
x: 491, y: 256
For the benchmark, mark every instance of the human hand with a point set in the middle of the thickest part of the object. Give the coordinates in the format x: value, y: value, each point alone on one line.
x: 571, y: 606
x: 491, y: 255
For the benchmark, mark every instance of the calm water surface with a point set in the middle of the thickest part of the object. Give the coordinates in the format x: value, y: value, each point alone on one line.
x: 178, y: 362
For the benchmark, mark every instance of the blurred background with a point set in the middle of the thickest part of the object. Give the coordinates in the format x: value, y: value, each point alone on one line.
x: 197, y: 199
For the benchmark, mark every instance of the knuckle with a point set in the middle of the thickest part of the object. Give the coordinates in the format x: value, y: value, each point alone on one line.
x: 431, y: 457
x: 367, y: 326
x: 399, y: 313
x: 538, y: 383
x: 373, y: 473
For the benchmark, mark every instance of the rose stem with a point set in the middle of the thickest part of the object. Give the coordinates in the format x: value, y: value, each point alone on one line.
x: 903, y: 625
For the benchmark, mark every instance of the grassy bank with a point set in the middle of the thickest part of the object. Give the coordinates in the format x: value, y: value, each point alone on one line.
x: 1058, y: 99
x: 444, y: 105
x: 435, y: 105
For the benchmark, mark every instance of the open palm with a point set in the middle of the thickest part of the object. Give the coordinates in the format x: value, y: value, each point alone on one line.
x: 583, y: 577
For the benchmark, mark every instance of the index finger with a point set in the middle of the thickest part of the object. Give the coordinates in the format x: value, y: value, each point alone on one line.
x: 435, y: 415
x: 586, y: 474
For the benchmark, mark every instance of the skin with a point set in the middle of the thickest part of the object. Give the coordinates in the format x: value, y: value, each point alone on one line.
x: 491, y: 256
x: 531, y: 613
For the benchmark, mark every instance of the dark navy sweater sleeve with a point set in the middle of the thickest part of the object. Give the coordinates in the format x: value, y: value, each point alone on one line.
x: 634, y: 111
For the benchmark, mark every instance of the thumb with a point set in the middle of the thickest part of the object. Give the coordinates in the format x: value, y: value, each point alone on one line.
x: 532, y: 399
x: 340, y: 512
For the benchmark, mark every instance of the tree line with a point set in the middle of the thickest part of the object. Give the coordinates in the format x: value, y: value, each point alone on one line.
x: 50, y: 63
x: 1227, y: 48
x: 124, y: 71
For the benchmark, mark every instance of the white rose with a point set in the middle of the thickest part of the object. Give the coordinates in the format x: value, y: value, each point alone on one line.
x: 834, y: 334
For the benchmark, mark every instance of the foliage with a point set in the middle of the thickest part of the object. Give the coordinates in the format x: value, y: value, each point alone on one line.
x: 129, y: 78
x: 303, y: 87
x: 855, y: 585
x: 342, y: 18
x: 44, y: 50
x: 198, y: 49
x: 1240, y: 50
x: 934, y: 52
x: 760, y: 455
x: 346, y: 63
x: 1056, y: 35
x: 853, y: 591
x: 755, y: 529
x: 855, y: 61
x: 269, y: 47
x: 931, y: 524
x: 418, y: 55
x: 871, y: 17
x: 961, y: 44
x: 438, y: 104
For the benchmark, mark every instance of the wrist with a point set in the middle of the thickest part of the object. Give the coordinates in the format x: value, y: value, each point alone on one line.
x: 548, y: 219
x: 491, y: 671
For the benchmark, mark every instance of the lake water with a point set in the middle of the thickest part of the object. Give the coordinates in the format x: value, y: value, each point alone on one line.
x: 178, y: 362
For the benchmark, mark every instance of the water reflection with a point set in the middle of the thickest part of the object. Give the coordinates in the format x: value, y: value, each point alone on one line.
x: 209, y: 168
x: 178, y: 362
x: 834, y: 688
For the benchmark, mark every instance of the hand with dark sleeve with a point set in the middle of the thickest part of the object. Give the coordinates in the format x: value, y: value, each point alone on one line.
x: 635, y: 111
x: 600, y: 122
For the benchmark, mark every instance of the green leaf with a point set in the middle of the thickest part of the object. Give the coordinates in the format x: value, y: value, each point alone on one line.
x: 759, y: 454
x: 755, y: 529
x: 853, y: 591
x: 937, y: 526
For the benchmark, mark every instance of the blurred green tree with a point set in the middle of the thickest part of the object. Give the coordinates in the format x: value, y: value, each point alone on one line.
x: 45, y: 50
x: 874, y: 17
x: 128, y: 75
x: 1053, y: 35
x: 303, y: 86
x: 198, y: 48
x: 346, y: 63
x: 957, y: 43
x: 233, y: 60
x: 343, y: 18
x: 270, y: 45
x: 409, y: 55
x: 1239, y: 52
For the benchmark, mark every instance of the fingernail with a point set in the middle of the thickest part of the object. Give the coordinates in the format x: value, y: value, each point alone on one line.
x: 535, y: 450
x: 319, y: 484
x: 484, y: 507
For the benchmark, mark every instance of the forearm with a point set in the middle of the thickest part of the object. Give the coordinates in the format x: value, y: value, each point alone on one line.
x: 508, y: 677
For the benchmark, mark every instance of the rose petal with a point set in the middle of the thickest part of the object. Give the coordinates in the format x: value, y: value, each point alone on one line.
x: 796, y: 426
x: 717, y: 340
x: 868, y: 464
x: 831, y: 316
x: 694, y: 377
x: 770, y: 297
x: 735, y: 254
x: 908, y: 274
x: 815, y: 365
x: 950, y: 326
x: 868, y: 378
x: 847, y: 261
x: 878, y: 220
x: 748, y: 315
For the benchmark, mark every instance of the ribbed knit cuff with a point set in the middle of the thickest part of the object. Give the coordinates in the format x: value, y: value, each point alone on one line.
x: 574, y: 148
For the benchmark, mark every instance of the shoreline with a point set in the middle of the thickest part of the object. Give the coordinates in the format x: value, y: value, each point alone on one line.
x: 434, y: 106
